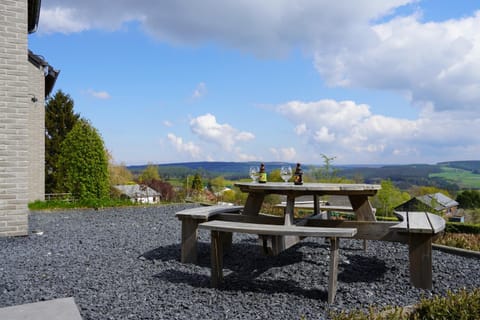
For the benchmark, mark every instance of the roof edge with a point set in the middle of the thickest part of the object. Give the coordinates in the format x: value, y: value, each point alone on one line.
x: 33, y: 14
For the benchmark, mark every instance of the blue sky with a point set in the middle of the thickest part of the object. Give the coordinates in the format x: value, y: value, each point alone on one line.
x: 366, y: 82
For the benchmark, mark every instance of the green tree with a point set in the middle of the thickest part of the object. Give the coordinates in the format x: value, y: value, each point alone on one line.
x: 326, y: 173
x: 59, y: 120
x: 149, y: 174
x: 469, y: 199
x: 274, y: 176
x: 118, y: 173
x: 83, y: 163
x: 388, y: 197
x: 197, y: 184
x: 217, y: 184
x: 229, y: 196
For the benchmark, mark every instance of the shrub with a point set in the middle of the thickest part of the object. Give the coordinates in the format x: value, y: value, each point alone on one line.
x: 458, y: 227
x: 462, y: 305
x: 89, y: 203
x: 395, y: 313
x: 83, y: 163
x: 460, y: 240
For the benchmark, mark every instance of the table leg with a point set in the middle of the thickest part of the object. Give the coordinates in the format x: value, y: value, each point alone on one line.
x: 189, y: 241
x: 420, y: 255
x: 216, y: 255
x: 289, y: 210
x: 273, y: 245
x: 333, y: 269
x: 253, y: 204
x: 363, y: 211
x: 361, y: 206
x: 316, y: 205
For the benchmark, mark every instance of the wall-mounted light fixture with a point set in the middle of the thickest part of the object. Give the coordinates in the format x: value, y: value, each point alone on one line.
x: 34, y: 98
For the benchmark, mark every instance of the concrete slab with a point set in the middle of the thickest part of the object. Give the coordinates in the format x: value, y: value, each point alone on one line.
x: 58, y: 309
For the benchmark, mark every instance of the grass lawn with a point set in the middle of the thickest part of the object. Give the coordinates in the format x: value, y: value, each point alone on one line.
x: 465, y: 179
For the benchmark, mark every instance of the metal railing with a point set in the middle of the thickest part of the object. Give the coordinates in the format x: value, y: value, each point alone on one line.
x: 67, y: 197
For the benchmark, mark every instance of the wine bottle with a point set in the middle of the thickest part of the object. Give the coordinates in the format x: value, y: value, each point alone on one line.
x: 262, y: 175
x: 298, y: 175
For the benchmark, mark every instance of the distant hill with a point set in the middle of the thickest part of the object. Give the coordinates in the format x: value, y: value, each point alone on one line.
x: 402, y: 175
x: 450, y: 175
x: 471, y: 165
x: 230, y: 170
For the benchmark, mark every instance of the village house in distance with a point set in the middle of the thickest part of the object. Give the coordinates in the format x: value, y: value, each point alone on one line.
x: 435, y: 202
x: 139, y: 193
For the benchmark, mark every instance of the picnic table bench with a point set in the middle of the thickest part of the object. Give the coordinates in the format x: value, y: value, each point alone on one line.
x: 422, y: 228
x: 190, y: 219
x: 416, y: 229
x: 218, y: 228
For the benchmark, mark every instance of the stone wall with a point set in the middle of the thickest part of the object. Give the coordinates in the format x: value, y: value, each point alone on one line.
x: 14, y: 107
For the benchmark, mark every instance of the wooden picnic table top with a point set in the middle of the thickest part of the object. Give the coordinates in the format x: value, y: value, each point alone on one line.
x: 310, y: 188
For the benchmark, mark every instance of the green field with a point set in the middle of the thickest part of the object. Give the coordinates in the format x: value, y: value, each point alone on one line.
x: 463, y: 178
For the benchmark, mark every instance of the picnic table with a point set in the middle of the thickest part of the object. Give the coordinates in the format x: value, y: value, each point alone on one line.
x: 357, y: 193
x: 417, y: 229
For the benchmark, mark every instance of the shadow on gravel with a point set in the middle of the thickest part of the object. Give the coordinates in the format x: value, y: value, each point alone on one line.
x: 172, y: 252
x: 166, y: 253
x: 242, y: 283
x: 246, y: 269
x: 362, y: 269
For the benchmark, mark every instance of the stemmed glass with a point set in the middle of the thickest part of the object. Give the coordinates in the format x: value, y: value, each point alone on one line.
x: 286, y: 173
x: 254, y: 173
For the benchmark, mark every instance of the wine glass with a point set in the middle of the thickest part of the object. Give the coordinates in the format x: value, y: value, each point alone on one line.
x: 286, y: 173
x: 254, y: 171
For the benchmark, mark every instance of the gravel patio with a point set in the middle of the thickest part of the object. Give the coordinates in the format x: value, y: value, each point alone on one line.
x: 124, y: 263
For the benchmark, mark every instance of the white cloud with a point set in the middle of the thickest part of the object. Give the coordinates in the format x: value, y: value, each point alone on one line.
x: 167, y: 123
x: 200, y: 91
x: 103, y: 95
x: 274, y: 26
x: 184, y: 147
x: 244, y: 136
x: 434, y: 62
x: 301, y: 129
x: 61, y: 19
x: 352, y: 133
x: 322, y: 135
x: 71, y: 16
x: 284, y: 154
x: 208, y: 129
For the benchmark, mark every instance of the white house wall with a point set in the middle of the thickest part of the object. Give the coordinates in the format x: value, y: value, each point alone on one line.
x: 36, y: 132
x: 14, y: 110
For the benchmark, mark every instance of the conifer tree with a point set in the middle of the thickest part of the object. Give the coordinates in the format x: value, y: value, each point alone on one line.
x: 59, y: 120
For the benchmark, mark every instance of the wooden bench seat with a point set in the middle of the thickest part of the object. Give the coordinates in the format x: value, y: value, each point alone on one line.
x: 419, y: 222
x: 190, y: 219
x: 422, y: 228
x: 217, y: 229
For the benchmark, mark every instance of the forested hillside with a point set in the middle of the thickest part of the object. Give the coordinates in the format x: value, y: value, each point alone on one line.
x: 453, y: 175
x: 472, y: 165
x: 229, y: 170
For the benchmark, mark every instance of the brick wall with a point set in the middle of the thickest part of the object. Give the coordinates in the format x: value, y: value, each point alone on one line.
x: 36, y: 132
x: 13, y: 118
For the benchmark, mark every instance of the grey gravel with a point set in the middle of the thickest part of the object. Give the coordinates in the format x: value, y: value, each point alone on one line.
x: 125, y: 264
